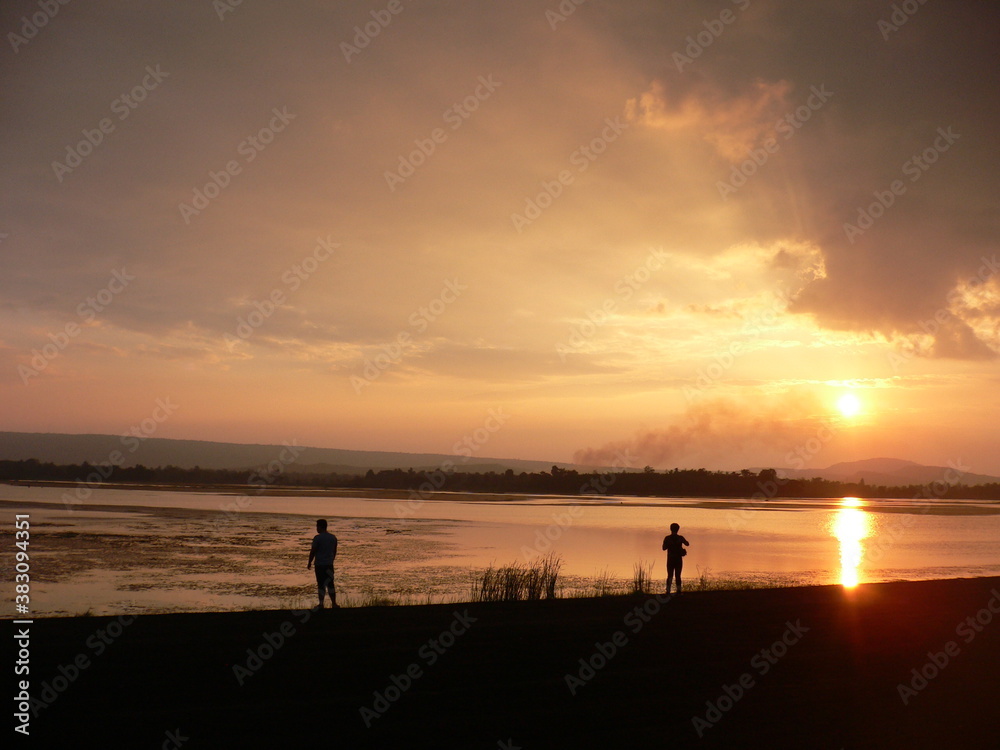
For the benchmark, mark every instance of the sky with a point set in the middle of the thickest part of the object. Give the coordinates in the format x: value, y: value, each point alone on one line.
x: 619, y: 233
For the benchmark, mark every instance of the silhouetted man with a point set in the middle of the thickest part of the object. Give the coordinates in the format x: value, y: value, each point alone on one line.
x: 324, y: 551
x: 674, y: 544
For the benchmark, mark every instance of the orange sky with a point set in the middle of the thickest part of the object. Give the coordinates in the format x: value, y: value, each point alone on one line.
x: 682, y: 229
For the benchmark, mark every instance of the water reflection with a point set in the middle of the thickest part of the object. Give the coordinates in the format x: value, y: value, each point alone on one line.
x: 850, y: 526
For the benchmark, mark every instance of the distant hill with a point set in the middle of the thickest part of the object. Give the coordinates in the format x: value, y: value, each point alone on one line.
x: 891, y: 472
x: 153, y: 452
x: 96, y: 449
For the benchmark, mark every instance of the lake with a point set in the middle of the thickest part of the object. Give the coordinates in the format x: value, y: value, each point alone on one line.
x: 113, y: 551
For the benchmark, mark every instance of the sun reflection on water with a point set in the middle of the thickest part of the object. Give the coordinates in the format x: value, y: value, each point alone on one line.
x: 850, y: 526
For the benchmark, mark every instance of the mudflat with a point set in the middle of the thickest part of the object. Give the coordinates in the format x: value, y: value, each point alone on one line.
x: 907, y: 665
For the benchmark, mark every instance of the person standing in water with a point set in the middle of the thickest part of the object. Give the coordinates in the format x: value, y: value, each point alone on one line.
x: 674, y: 544
x: 324, y: 552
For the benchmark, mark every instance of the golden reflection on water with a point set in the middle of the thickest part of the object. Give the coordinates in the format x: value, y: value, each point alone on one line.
x: 850, y: 526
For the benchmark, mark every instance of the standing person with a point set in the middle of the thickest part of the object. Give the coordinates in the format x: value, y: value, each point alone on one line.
x: 324, y: 551
x: 674, y: 544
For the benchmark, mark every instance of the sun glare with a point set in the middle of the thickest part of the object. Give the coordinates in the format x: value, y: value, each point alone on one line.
x: 850, y: 526
x: 849, y: 405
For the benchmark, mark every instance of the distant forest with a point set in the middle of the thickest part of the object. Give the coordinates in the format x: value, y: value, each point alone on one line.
x: 764, y: 485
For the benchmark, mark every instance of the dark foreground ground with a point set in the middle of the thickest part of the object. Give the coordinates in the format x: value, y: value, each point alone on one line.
x: 805, y: 667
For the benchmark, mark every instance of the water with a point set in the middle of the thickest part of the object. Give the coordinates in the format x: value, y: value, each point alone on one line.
x: 126, y: 551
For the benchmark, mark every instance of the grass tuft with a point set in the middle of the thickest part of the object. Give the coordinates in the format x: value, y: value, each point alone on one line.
x: 642, y: 578
x: 518, y: 581
x: 605, y: 584
x: 707, y: 582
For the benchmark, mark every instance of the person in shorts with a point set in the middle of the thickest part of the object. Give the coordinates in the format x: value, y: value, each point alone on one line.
x: 324, y: 552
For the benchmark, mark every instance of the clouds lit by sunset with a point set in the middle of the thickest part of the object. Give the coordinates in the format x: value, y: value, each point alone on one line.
x: 683, y: 229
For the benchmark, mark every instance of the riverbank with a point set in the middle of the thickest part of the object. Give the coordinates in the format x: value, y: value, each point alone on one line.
x: 816, y: 667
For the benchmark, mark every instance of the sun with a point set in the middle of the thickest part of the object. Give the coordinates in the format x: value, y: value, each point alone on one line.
x: 849, y: 405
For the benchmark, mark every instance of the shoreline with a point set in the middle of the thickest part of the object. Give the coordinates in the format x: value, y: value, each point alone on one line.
x: 130, y: 554
x: 368, y: 493
x: 555, y: 673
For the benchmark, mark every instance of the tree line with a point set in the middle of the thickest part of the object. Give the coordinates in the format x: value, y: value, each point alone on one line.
x: 762, y: 485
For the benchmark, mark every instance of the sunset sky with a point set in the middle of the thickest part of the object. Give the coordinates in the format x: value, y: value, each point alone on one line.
x: 681, y: 231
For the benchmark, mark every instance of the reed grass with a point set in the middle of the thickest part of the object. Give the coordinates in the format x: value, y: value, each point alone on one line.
x: 605, y: 584
x: 518, y: 581
x: 642, y: 578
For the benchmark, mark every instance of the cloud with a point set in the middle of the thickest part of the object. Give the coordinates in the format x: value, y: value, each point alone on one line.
x: 732, y: 123
x: 768, y: 265
x: 957, y: 340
